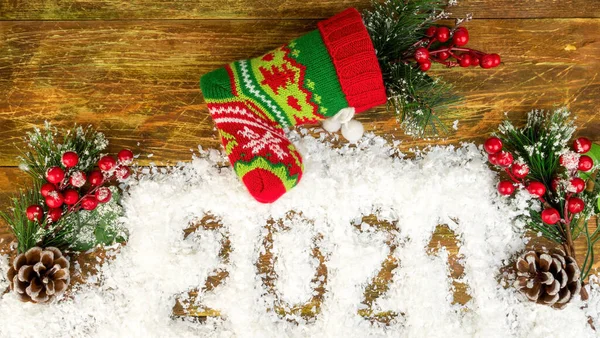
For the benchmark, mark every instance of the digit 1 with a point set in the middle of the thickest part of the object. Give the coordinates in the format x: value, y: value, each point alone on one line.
x: 443, y: 236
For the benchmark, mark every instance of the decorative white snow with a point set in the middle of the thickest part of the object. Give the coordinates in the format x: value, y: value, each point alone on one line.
x: 137, y: 289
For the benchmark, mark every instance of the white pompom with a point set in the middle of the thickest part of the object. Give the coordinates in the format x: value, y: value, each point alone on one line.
x: 353, y: 131
x: 332, y: 125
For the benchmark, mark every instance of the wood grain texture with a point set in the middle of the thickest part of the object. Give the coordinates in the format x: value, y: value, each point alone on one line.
x: 138, y: 80
x: 268, y: 9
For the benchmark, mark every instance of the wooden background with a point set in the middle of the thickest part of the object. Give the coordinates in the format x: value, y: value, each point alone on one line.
x: 131, y: 68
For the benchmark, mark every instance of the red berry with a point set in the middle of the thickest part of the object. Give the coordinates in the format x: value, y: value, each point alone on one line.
x: 493, y: 145
x: 96, y: 178
x: 505, y: 159
x: 496, y: 59
x: 537, y: 189
x: 89, y: 203
x: 71, y: 197
x: 54, y: 215
x: 550, y: 216
x: 520, y: 170
x: 55, y: 175
x: 585, y: 163
x: 575, y: 205
x: 430, y: 32
x: 578, y: 184
x: 569, y: 160
x: 474, y: 61
x: 493, y: 158
x: 461, y: 37
x: 46, y: 189
x: 125, y: 156
x: 103, y: 195
x: 106, y: 163
x: 487, y: 61
x: 442, y: 34
x: 582, y: 145
x: 70, y: 159
x: 465, y: 60
x: 506, y: 188
x: 77, y: 179
x: 55, y: 200
x: 425, y: 65
x: 421, y: 55
x: 35, y: 213
x: 122, y: 172
x: 443, y: 56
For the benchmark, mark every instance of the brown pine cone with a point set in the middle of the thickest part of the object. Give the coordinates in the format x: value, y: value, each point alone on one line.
x: 548, y: 278
x: 39, y: 275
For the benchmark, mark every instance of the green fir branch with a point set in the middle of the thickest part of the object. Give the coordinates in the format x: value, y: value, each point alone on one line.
x: 541, y: 142
x: 418, y: 100
x: 46, y: 149
x: 396, y: 28
x: 27, y: 233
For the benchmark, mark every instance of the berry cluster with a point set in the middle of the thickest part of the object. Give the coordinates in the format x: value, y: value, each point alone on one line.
x: 453, y: 53
x: 572, y: 161
x: 68, y: 189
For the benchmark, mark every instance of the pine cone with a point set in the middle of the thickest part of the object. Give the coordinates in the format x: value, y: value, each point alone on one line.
x: 548, y: 278
x: 39, y: 275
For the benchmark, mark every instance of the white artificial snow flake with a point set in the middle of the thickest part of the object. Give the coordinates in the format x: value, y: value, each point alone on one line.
x: 78, y: 179
x: 570, y: 160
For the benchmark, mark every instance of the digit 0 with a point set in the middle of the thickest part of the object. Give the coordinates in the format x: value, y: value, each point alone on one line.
x: 308, y: 310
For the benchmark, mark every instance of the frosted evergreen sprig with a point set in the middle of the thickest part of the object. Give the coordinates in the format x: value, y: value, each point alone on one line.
x: 71, y: 204
x: 407, y: 42
x: 46, y: 146
x: 558, y: 172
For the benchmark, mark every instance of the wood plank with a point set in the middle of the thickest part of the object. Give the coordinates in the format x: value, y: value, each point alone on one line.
x: 290, y: 9
x: 137, y: 81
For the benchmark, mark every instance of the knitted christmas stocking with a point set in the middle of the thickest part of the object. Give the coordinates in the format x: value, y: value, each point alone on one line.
x: 312, y: 78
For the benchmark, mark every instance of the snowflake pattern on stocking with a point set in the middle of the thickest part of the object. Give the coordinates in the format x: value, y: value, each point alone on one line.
x: 256, y: 142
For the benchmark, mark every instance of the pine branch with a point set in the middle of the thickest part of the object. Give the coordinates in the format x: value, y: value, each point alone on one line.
x: 28, y: 233
x: 418, y: 100
x: 396, y: 28
x: 396, y: 25
x: 541, y: 142
x: 46, y: 151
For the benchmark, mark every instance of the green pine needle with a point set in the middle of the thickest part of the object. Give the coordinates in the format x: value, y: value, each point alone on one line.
x: 28, y: 233
x: 396, y: 27
x: 541, y: 142
x: 46, y: 149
